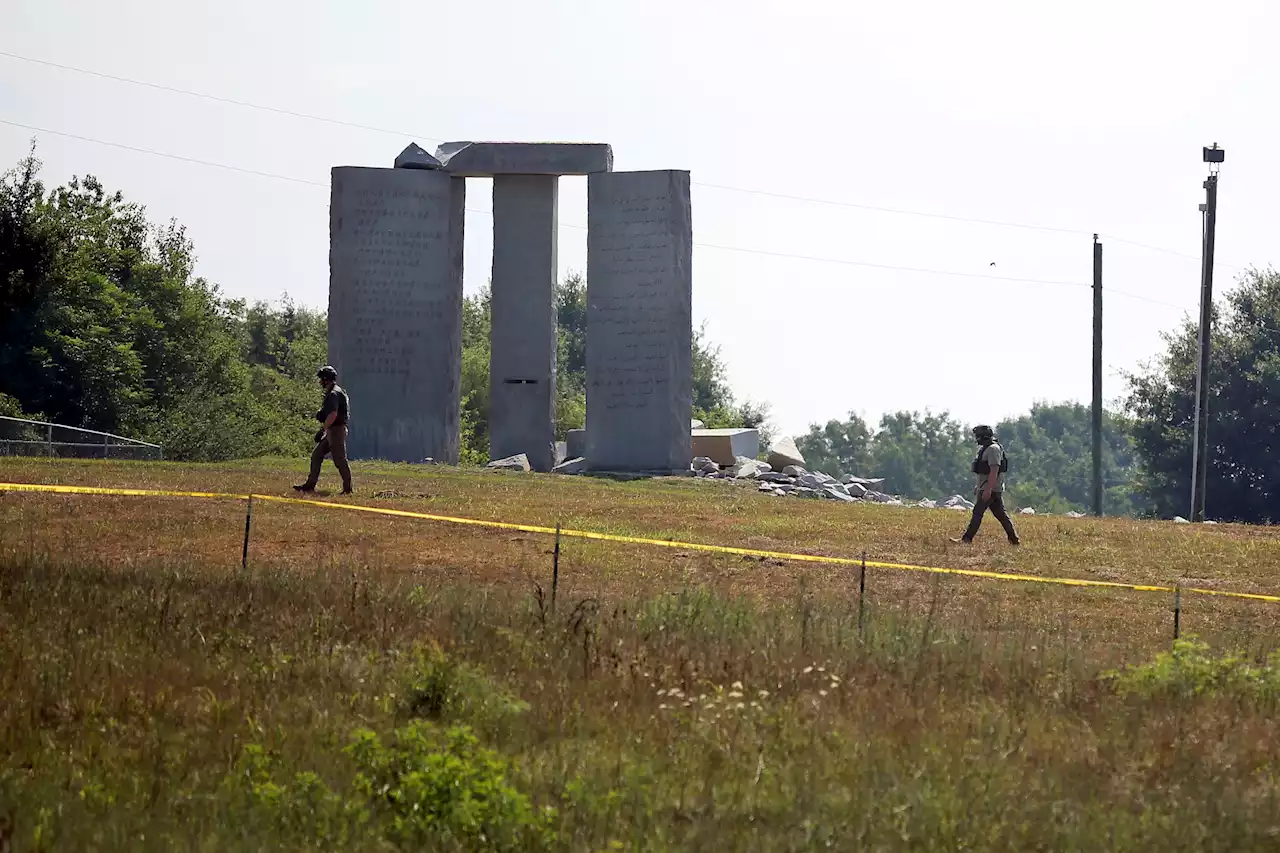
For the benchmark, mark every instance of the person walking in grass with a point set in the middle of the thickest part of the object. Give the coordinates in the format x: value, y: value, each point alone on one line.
x: 331, y: 440
x: 990, y: 468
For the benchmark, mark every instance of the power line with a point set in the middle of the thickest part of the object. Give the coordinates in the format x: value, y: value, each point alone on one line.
x: 1149, y: 247
x: 164, y: 154
x: 713, y: 246
x: 723, y: 187
x: 218, y: 98
x: 900, y: 211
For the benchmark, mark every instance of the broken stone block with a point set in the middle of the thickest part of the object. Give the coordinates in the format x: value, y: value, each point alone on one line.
x: 415, y: 157
x: 794, y: 470
x: 575, y: 443
x: 783, y: 452
x: 748, y: 469
x: 571, y: 466
x: 726, y: 445
x: 519, y: 462
x: 873, y: 485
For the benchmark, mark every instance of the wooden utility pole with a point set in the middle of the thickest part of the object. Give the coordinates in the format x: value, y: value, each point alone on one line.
x: 1097, y: 376
x: 1200, y: 435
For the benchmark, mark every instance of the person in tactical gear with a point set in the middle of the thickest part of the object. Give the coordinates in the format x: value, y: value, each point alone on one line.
x: 990, y: 468
x: 331, y: 439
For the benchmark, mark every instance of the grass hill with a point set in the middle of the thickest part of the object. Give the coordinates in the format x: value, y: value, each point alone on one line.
x: 374, y: 683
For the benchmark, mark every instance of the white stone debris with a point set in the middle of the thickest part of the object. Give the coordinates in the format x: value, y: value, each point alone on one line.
x: 783, y: 452
x: 519, y: 462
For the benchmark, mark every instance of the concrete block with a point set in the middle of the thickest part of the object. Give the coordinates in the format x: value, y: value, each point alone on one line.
x: 639, y: 321
x: 395, y: 309
x: 523, y: 333
x: 415, y: 157
x: 575, y: 443
x: 489, y: 159
x: 724, y: 446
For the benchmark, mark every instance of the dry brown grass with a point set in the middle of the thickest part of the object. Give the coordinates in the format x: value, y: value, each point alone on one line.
x: 138, y: 662
x: 1226, y: 557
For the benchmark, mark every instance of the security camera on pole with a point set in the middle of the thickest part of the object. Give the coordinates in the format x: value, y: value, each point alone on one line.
x: 1200, y: 437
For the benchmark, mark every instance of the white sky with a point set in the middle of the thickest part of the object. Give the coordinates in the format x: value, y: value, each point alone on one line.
x: 1087, y: 116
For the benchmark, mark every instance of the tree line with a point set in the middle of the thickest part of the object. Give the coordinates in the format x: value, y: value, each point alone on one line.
x: 104, y: 324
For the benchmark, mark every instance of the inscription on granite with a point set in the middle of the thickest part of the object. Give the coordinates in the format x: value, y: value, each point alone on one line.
x: 395, y: 309
x: 639, y: 321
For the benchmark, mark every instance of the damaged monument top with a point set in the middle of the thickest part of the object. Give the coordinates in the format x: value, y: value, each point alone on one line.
x: 414, y: 156
x: 487, y: 159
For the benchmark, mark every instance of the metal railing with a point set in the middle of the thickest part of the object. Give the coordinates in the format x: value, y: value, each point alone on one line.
x: 22, y: 437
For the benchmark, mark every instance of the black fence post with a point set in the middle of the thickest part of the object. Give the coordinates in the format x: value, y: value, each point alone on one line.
x: 248, y: 518
x: 1177, y: 611
x: 862, y: 592
x: 555, y: 569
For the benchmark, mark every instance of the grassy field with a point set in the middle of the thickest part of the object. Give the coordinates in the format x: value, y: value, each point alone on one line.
x: 377, y: 683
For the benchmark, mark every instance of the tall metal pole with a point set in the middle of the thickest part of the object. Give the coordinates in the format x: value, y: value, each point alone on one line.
x: 1200, y: 435
x: 1097, y: 376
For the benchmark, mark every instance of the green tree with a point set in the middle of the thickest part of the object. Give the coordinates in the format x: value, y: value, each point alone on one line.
x: 926, y: 455
x: 106, y: 327
x: 917, y: 454
x: 713, y: 402
x: 923, y: 455
x: 1244, y: 388
x: 838, y: 448
x: 1051, y: 453
x: 474, y: 446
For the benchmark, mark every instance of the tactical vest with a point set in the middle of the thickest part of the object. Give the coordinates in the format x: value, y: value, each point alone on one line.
x: 983, y: 467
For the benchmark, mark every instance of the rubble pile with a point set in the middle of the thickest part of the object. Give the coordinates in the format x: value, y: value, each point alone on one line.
x: 796, y: 481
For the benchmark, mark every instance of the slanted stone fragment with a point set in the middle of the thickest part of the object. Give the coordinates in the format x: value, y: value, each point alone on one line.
x: 416, y: 157
x: 783, y: 452
x: 519, y: 462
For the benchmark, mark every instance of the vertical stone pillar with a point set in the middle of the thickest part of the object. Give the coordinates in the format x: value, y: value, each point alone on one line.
x: 523, y: 333
x: 395, y: 309
x: 639, y: 321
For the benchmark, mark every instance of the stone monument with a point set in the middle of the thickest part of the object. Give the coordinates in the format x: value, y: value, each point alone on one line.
x: 395, y: 306
x: 522, y: 361
x: 639, y: 321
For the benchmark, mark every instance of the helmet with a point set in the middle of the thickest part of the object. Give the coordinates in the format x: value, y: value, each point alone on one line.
x: 327, y: 373
x: 982, y: 432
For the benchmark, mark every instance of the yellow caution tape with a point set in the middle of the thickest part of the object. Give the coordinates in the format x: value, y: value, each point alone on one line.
x: 635, y: 540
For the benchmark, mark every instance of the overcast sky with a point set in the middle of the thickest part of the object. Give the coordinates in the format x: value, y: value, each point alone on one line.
x: 1087, y: 116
